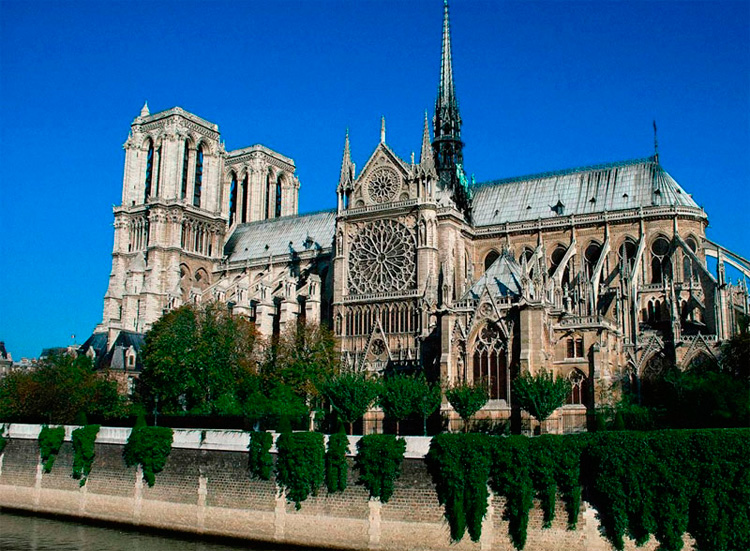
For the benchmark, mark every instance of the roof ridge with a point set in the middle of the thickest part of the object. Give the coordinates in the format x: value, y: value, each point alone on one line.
x: 564, y: 172
x: 287, y: 217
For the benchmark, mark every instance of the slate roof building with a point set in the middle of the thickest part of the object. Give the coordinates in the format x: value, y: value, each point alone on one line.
x: 592, y: 273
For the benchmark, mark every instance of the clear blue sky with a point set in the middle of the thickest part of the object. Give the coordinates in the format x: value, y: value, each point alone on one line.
x: 541, y: 85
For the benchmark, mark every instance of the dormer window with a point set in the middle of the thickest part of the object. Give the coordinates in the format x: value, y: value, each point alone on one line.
x: 559, y: 208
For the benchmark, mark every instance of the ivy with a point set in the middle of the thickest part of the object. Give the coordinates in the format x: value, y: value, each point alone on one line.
x: 300, y: 464
x: 50, y: 442
x: 148, y: 447
x: 510, y: 477
x: 337, y: 467
x: 379, y: 458
x: 460, y: 466
x: 260, y: 462
x: 83, y: 451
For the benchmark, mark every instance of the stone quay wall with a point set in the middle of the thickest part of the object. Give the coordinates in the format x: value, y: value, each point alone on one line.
x: 205, y: 489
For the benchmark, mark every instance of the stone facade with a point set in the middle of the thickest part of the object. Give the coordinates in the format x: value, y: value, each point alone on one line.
x: 594, y: 273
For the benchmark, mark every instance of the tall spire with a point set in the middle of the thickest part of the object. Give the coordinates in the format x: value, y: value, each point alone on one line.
x: 447, y: 143
x: 426, y: 158
x: 347, y: 168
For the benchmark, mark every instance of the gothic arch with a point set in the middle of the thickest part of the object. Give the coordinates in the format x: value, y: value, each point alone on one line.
x: 660, y: 249
x: 489, y: 360
x: 490, y: 258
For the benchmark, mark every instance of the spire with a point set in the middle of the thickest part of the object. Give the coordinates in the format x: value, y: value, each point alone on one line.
x: 144, y: 110
x: 656, y: 145
x: 382, y: 129
x: 425, y: 156
x: 347, y: 168
x: 447, y: 144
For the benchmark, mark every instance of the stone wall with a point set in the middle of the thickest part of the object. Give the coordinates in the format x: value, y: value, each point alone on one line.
x: 205, y: 489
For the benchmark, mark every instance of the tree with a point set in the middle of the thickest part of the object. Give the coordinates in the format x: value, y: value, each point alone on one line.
x: 405, y: 395
x: 302, y: 358
x: 467, y: 398
x: 195, y: 358
x: 350, y: 395
x: 540, y: 394
x: 60, y: 389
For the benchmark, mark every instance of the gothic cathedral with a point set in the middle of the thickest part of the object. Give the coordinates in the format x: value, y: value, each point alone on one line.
x: 594, y: 273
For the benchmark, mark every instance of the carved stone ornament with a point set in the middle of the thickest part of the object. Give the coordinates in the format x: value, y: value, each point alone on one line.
x: 383, y: 185
x: 382, y: 258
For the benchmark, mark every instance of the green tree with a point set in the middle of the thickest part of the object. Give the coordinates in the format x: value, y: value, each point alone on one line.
x: 302, y: 358
x: 405, y: 395
x: 540, y: 394
x: 467, y: 398
x: 195, y: 358
x: 60, y: 389
x: 350, y: 395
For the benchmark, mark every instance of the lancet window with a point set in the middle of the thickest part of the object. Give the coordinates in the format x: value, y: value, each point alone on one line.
x: 489, y: 260
x: 185, y: 171
x: 198, y: 180
x: 661, y: 265
x: 591, y: 257
x: 578, y: 388
x: 555, y: 259
x: 278, y: 197
x: 688, y: 268
x: 245, y: 199
x: 149, y: 171
x: 138, y: 234
x: 233, y: 199
x: 490, y: 361
x: 395, y: 318
x: 626, y: 255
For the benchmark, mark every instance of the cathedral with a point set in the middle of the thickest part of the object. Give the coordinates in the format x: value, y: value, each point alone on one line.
x: 595, y: 273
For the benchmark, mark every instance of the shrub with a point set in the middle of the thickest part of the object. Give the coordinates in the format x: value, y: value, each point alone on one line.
x: 337, y: 467
x: 50, y: 442
x: 148, y: 447
x: 260, y: 461
x: 300, y: 464
x: 379, y: 461
x: 83, y: 451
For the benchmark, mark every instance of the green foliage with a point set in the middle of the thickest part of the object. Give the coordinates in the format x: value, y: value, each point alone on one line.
x: 350, y: 395
x: 83, y: 451
x: 148, y: 447
x: 671, y: 482
x: 540, y: 394
x: 379, y: 458
x: 3, y: 443
x: 195, y: 358
x: 467, y: 398
x: 60, y: 389
x: 300, y: 464
x: 260, y: 461
x: 510, y: 477
x: 337, y: 467
x: 460, y: 467
x: 405, y: 395
x: 50, y: 442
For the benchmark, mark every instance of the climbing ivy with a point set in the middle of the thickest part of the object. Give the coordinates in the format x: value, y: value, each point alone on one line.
x: 50, y: 442
x: 300, y: 464
x: 149, y: 447
x: 337, y: 467
x: 379, y: 458
x: 260, y: 462
x: 460, y: 467
x: 83, y: 451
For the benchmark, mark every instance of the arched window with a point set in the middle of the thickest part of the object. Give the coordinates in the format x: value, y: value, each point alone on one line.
x: 661, y: 265
x: 490, y: 364
x: 574, y: 347
x: 233, y: 199
x: 149, y: 171
x: 198, y: 180
x: 489, y: 260
x: 626, y: 254
x: 591, y: 257
x: 278, y: 197
x: 555, y: 259
x: 245, y: 199
x: 578, y: 388
x: 267, y: 210
x: 185, y: 161
x: 688, y: 268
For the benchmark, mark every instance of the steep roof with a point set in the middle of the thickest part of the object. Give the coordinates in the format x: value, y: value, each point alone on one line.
x: 280, y: 236
x: 609, y: 187
x: 502, y: 278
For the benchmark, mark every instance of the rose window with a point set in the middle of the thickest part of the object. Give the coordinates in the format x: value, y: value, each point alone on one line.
x: 382, y: 258
x: 383, y: 185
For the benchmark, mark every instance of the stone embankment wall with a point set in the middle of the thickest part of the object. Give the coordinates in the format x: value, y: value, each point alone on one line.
x: 205, y: 489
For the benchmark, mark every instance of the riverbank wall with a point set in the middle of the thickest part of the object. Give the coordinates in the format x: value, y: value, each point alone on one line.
x: 205, y: 489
